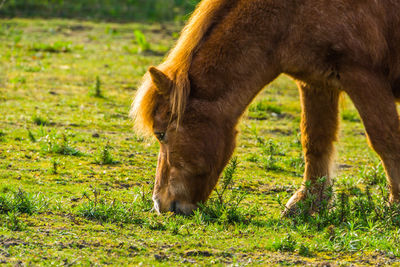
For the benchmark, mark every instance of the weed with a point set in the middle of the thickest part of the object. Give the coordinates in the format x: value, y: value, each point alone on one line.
x: 270, y: 163
x: 363, y: 209
x: 18, y: 80
x: 113, y: 211
x: 104, y: 156
x: 252, y: 158
x: 373, y: 175
x: 285, y: 244
x: 271, y: 148
x: 108, y: 211
x: 305, y: 251
x: 96, y: 89
x: 54, y: 166
x: 13, y: 222
x: 260, y: 109
x: 56, y: 47
x: 51, y: 143
x: 221, y: 209
x: 141, y: 41
x: 350, y: 116
x: 31, y: 136
x: 22, y: 202
x: 265, y: 107
x: 111, y: 31
x: 272, y: 153
x: 40, y: 121
x: 227, y: 180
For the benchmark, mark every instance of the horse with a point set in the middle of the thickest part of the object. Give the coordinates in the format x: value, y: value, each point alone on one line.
x: 230, y: 49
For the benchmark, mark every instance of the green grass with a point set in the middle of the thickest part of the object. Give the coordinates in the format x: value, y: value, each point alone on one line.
x: 109, y: 10
x: 76, y: 181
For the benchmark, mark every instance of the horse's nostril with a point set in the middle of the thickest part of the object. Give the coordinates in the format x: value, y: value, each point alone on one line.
x: 173, y: 207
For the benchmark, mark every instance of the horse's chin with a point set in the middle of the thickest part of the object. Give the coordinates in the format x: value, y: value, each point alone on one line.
x: 184, y: 208
x: 177, y: 207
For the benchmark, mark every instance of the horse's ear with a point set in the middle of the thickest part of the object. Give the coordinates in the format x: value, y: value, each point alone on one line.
x: 162, y: 82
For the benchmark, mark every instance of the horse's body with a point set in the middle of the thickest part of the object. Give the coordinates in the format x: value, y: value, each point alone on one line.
x: 232, y: 48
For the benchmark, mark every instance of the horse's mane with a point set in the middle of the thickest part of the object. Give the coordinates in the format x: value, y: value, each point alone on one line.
x: 176, y: 66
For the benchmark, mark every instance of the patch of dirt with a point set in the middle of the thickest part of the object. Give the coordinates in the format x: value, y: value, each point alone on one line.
x: 197, y: 253
x: 274, y: 189
x: 10, y: 242
x: 6, y: 243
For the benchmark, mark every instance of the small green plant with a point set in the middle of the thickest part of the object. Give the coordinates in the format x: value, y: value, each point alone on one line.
x: 104, y: 156
x: 362, y: 208
x: 265, y: 106
x: 31, y: 136
x: 223, y: 209
x: 373, y: 175
x: 96, y: 88
x: 56, y: 47
x: 54, y: 166
x: 18, y: 80
x: 271, y: 163
x: 271, y: 153
x: 111, y: 31
x: 252, y: 158
x: 285, y: 244
x: 113, y: 211
x: 40, y: 120
x: 22, y: 202
x: 13, y: 222
x: 262, y: 109
x: 51, y: 143
x: 351, y: 116
x: 227, y: 180
x: 305, y: 251
x: 108, y: 211
x: 141, y: 41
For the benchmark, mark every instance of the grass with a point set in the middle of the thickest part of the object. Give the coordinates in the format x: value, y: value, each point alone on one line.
x: 56, y: 47
x: 54, y: 143
x: 22, y: 202
x: 104, y: 156
x: 141, y: 41
x: 86, y: 178
x: 96, y: 89
x: 109, y: 10
x: 39, y: 120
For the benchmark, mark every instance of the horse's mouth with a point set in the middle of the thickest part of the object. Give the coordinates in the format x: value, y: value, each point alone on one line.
x: 177, y: 207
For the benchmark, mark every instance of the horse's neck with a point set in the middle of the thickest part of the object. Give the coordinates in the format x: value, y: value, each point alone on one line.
x: 235, y: 62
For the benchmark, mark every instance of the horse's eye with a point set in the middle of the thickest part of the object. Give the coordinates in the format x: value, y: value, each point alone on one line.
x: 160, y: 136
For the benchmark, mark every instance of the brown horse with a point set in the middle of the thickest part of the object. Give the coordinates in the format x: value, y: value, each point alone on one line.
x: 231, y: 49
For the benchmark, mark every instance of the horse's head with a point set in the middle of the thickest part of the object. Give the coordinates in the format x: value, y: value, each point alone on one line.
x: 193, y: 149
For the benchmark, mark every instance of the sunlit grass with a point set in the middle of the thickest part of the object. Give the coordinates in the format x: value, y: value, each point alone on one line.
x: 86, y: 179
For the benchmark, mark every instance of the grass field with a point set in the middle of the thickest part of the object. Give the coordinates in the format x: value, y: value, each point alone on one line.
x: 104, y: 10
x: 76, y: 181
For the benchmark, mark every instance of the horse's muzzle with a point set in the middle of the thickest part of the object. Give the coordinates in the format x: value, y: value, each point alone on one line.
x: 175, y: 207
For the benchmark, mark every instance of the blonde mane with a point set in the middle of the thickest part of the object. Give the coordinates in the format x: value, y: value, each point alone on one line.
x: 176, y: 66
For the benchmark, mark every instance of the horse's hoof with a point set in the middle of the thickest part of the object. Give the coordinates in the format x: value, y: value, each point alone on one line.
x: 307, y: 201
x: 292, y: 208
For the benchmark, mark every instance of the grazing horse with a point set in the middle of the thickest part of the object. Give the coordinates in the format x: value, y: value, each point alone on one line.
x: 231, y: 49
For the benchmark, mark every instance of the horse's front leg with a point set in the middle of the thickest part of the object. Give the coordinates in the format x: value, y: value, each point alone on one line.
x: 319, y: 127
